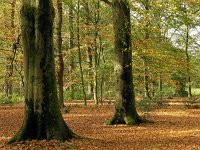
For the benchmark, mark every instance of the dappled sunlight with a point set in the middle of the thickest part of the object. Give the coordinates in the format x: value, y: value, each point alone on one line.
x: 174, y: 114
x: 78, y: 115
x: 192, y: 132
x: 169, y: 128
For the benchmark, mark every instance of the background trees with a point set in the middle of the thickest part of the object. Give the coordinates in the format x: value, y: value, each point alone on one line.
x: 162, y: 47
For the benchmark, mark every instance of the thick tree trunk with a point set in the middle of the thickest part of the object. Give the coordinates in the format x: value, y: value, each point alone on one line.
x: 125, y: 111
x: 60, y: 55
x: 43, y: 119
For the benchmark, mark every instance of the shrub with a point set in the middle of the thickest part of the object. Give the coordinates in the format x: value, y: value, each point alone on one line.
x: 191, y: 103
x: 147, y: 104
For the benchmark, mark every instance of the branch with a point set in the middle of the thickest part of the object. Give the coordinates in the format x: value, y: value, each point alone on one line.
x: 107, y: 2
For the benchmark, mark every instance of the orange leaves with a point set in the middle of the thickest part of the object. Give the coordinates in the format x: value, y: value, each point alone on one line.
x: 171, y: 126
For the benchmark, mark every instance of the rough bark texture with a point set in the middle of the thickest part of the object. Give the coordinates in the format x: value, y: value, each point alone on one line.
x: 43, y: 119
x: 125, y: 111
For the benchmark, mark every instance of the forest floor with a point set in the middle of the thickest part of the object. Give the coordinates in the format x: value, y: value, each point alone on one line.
x: 174, y: 128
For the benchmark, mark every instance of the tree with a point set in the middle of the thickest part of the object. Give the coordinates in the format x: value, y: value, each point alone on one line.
x: 186, y: 24
x: 43, y: 119
x: 60, y: 71
x: 125, y: 111
x: 79, y: 53
x: 10, y: 58
x: 71, y: 44
x: 88, y: 15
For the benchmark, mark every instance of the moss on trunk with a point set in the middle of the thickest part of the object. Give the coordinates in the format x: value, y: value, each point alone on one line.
x: 125, y: 111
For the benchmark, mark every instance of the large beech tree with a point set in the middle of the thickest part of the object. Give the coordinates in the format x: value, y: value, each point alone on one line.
x: 43, y: 119
x: 125, y: 110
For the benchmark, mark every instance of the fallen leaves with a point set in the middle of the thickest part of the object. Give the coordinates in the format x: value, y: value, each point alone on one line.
x: 173, y: 129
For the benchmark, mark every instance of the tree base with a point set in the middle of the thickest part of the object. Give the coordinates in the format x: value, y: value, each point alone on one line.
x: 35, y: 128
x: 128, y: 120
x: 25, y: 135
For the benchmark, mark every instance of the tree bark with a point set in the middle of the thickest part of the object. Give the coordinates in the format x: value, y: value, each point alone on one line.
x: 89, y: 50
x: 103, y: 72
x: 188, y: 62
x: 95, y: 80
x: 125, y: 111
x: 146, y: 80
x: 146, y: 75
x: 79, y: 55
x: 153, y: 89
x: 160, y: 89
x: 60, y: 55
x: 8, y: 87
x: 43, y: 119
x: 71, y: 46
x: 60, y: 72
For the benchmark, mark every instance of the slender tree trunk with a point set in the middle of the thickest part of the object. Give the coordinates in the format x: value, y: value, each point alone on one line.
x: 96, y: 101
x: 71, y: 46
x: 146, y: 81
x: 160, y: 89
x: 8, y: 82
x: 104, y: 69
x: 60, y: 55
x: 188, y: 63
x: 125, y: 111
x: 146, y: 75
x: 95, y: 80
x: 79, y: 54
x: 43, y: 119
x: 89, y: 50
x: 153, y: 88
x: 90, y: 74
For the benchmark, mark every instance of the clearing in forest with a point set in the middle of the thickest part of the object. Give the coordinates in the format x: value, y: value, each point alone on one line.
x: 173, y: 128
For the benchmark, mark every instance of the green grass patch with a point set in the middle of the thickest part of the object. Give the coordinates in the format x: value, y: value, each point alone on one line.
x: 195, y: 91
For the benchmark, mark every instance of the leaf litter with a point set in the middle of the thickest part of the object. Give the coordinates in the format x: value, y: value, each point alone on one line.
x: 173, y: 129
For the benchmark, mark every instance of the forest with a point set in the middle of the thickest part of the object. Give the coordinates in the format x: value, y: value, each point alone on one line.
x: 99, y: 74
